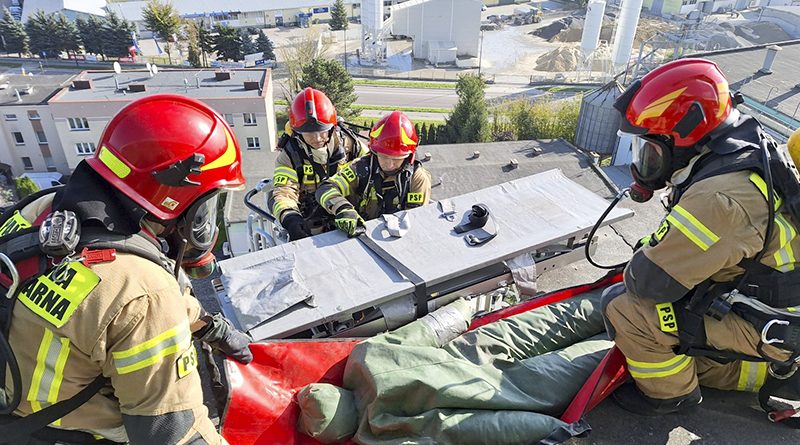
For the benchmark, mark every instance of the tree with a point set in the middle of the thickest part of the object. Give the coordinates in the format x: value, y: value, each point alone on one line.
x: 248, y: 46
x: 227, y: 43
x: 423, y: 134
x: 117, y: 35
x: 92, y: 32
x: 193, y: 43
x: 25, y: 186
x: 205, y: 40
x: 295, y: 58
x: 330, y: 77
x: 67, y: 34
x: 14, y: 35
x: 264, y: 45
x: 162, y: 19
x: 469, y: 121
x: 42, y: 31
x: 338, y: 16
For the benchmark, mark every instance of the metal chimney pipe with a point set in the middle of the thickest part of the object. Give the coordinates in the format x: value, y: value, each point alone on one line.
x: 769, y: 59
x: 16, y: 91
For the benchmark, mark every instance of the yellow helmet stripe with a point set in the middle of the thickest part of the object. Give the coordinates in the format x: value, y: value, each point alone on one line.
x: 376, y: 132
x: 113, y: 163
x: 227, y: 158
x: 724, y: 95
x: 658, y: 106
x: 404, y: 137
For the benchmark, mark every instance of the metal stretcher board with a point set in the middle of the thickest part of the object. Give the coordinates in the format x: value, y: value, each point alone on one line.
x: 329, y: 275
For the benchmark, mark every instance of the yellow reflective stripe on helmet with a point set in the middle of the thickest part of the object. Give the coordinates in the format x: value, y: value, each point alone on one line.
x: 645, y: 370
x: 113, y: 163
x: 56, y: 295
x: 152, y: 351
x: 227, y: 158
x: 759, y: 182
x: 376, y: 132
x: 784, y: 256
x: 751, y: 376
x: 405, y: 139
x: 328, y: 195
x: 285, y: 171
x: 49, y: 371
x: 658, y: 106
x: 14, y: 224
x: 690, y: 226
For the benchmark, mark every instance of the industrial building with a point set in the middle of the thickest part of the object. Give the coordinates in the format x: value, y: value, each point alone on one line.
x: 241, y: 13
x: 441, y: 30
x: 72, y: 9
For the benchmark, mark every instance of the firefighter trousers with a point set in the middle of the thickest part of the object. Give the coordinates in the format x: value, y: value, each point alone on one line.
x: 646, y: 334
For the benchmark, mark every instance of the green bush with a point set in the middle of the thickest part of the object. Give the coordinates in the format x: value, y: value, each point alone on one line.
x: 541, y: 119
x: 25, y: 186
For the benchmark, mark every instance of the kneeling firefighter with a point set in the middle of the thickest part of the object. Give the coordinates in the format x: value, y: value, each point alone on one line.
x: 386, y: 180
x: 316, y: 145
x: 98, y: 322
x: 705, y: 298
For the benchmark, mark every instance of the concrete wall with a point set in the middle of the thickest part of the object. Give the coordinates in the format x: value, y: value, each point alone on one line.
x: 440, y: 21
x: 11, y: 153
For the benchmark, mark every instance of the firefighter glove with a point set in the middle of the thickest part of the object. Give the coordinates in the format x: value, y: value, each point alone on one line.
x: 222, y: 336
x: 642, y: 242
x: 296, y: 226
x: 347, y: 220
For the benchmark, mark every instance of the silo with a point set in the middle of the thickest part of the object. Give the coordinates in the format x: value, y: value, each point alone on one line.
x: 591, y: 28
x: 371, y: 26
x: 626, y: 30
x: 598, y: 121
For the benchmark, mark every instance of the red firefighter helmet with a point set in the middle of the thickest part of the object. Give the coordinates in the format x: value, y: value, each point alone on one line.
x: 311, y: 111
x: 685, y: 100
x: 394, y: 136
x: 165, y: 151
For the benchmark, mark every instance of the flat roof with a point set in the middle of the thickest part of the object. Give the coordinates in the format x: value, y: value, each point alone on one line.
x: 33, y: 90
x: 177, y: 81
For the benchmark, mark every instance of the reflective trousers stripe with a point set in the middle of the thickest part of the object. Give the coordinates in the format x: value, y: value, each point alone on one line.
x: 751, y: 376
x: 152, y: 351
x: 49, y: 372
x: 645, y: 370
x: 692, y: 228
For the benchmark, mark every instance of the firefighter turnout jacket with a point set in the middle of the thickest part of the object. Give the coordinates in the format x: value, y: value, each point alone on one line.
x: 716, y: 223
x: 297, y: 177
x: 126, y: 319
x: 363, y: 185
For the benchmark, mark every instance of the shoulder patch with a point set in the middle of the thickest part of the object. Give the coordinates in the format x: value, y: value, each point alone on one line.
x: 308, y: 170
x: 187, y: 362
x: 56, y: 295
x: 415, y: 198
x: 348, y: 173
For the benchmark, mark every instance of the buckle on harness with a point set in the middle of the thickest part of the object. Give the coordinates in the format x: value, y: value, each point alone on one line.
x: 765, y: 331
x: 780, y: 376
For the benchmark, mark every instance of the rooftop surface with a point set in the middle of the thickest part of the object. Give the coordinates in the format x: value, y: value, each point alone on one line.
x: 33, y: 90
x: 182, y: 82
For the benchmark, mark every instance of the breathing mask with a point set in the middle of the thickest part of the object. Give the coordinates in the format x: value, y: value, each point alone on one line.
x: 654, y: 159
x: 198, y: 231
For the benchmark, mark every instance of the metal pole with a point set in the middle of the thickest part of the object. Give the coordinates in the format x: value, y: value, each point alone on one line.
x: 795, y: 110
x: 345, y: 47
x: 480, y: 55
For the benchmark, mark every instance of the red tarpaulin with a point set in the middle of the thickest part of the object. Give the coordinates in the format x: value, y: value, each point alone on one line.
x: 262, y: 409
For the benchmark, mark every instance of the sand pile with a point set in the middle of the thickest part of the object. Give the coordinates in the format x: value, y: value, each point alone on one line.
x: 566, y: 58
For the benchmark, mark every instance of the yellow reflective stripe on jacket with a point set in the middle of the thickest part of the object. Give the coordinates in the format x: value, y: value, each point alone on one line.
x: 645, y: 370
x: 328, y: 195
x: 285, y: 171
x: 690, y: 226
x: 751, y: 376
x: 152, y: 351
x: 49, y: 372
x: 784, y: 256
x: 14, y: 224
x: 341, y: 184
x: 279, y: 207
x: 759, y: 182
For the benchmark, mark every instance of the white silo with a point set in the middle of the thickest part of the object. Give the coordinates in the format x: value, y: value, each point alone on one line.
x: 626, y: 31
x: 591, y: 28
x: 371, y: 27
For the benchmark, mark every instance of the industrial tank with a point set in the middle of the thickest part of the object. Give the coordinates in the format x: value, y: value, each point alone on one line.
x: 626, y: 30
x: 598, y: 121
x: 591, y: 28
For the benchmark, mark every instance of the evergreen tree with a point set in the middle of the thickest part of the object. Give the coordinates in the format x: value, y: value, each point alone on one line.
x: 423, y: 134
x: 338, y: 16
x: 330, y: 77
x: 14, y: 35
x: 163, y: 20
x: 227, y: 43
x: 417, y: 129
x: 264, y: 45
x: 43, y: 33
x: 248, y: 46
x: 432, y: 130
x: 193, y: 42
x: 68, y: 37
x: 205, y: 41
x: 117, y: 35
x: 469, y: 121
x: 25, y: 186
x: 92, y: 32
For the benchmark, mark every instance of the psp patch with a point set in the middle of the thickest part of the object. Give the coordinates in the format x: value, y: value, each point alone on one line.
x: 55, y: 295
x: 187, y: 362
x: 415, y: 198
x: 349, y: 174
x: 666, y: 317
x: 280, y: 180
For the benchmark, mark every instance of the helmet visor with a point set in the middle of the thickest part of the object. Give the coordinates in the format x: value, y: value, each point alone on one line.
x: 650, y: 157
x: 201, y: 232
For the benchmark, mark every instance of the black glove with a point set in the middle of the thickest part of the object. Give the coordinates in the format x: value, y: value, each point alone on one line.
x: 296, y: 226
x: 222, y: 336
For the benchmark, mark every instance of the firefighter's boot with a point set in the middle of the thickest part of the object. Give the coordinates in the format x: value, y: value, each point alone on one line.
x: 631, y: 399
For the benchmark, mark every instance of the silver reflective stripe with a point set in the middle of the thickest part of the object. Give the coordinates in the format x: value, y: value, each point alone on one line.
x: 152, y: 351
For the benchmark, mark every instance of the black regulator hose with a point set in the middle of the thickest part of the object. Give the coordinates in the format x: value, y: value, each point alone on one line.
x: 596, y: 226
x: 16, y: 377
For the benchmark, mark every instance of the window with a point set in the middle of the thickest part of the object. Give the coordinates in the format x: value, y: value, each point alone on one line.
x: 78, y: 123
x: 26, y: 162
x: 250, y: 119
x: 229, y: 119
x: 18, y: 137
x: 253, y: 143
x: 84, y: 148
x: 10, y: 117
x: 41, y: 137
x: 33, y: 115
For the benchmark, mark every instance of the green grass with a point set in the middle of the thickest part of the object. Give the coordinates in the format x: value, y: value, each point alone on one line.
x: 367, y: 120
x: 407, y: 109
x: 565, y: 89
x: 406, y: 84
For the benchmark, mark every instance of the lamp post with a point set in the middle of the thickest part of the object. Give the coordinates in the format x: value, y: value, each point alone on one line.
x: 480, y: 55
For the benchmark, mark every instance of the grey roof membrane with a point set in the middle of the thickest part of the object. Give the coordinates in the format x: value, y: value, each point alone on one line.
x: 33, y: 90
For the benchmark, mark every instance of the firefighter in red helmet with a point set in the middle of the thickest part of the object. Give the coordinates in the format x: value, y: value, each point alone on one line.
x: 386, y: 180
x: 314, y: 147
x: 104, y: 318
x: 691, y: 310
